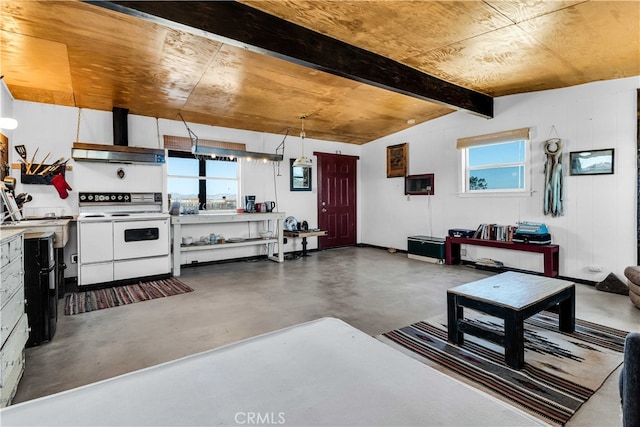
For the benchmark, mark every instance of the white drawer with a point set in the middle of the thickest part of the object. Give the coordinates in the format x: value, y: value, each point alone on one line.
x: 95, y: 273
x: 141, y: 267
x: 11, y: 313
x: 10, y: 250
x: 11, y: 278
x: 15, y: 247
x: 4, y: 254
x: 8, y: 391
x: 12, y: 351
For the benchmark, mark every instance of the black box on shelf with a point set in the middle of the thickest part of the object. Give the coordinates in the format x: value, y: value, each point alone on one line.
x: 461, y: 232
x: 534, y: 239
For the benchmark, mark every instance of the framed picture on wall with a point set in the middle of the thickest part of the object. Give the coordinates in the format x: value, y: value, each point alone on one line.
x: 397, y: 160
x: 592, y: 162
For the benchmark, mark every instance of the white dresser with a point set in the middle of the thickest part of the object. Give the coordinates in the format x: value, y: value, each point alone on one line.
x: 14, y: 328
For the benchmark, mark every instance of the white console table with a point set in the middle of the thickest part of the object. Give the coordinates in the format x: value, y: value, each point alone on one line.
x: 275, y: 223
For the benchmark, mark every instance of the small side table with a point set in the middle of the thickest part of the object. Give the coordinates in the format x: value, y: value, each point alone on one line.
x: 304, y: 235
x: 512, y: 297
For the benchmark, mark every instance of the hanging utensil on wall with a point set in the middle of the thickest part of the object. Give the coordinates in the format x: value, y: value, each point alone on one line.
x: 56, y: 167
x: 51, y: 167
x: 28, y: 170
x: 22, y: 152
x: 41, y: 163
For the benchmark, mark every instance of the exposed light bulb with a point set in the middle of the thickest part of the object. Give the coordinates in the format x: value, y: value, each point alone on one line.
x: 302, y: 161
x: 8, y: 123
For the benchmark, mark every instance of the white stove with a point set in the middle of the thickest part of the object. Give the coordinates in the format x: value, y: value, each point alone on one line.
x: 121, y: 236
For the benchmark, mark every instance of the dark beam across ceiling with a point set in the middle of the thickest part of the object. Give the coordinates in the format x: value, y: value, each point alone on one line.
x: 240, y: 25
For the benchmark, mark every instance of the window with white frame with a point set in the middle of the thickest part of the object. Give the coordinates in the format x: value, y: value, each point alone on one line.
x: 210, y: 183
x: 495, y: 163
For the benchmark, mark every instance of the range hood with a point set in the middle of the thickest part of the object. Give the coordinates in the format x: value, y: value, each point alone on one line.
x: 120, y: 152
x: 116, y: 154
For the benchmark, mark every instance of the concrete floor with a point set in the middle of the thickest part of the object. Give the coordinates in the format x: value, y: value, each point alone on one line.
x: 369, y: 288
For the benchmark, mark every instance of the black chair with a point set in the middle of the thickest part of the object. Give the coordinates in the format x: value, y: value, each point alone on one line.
x: 630, y: 381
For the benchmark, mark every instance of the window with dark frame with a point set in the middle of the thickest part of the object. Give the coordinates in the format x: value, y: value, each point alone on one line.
x: 212, y: 184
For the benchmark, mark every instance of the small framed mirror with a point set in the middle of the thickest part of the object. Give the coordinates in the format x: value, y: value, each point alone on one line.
x: 300, y: 178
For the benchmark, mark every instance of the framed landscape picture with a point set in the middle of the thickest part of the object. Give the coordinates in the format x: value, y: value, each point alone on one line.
x: 397, y: 160
x: 592, y: 162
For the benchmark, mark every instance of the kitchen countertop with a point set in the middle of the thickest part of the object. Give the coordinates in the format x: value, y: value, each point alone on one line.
x: 7, y: 234
x: 204, y: 218
x: 59, y: 226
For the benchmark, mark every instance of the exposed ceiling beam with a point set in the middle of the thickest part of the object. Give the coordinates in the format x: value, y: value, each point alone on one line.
x: 240, y: 25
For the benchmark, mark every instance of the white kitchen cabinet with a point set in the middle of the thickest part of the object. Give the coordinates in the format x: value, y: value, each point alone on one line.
x: 95, y: 242
x: 11, y: 313
x: 14, y: 326
x: 12, y: 276
x: 98, y: 272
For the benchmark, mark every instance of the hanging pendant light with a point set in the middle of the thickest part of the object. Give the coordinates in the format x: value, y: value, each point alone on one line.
x: 8, y: 123
x: 302, y: 161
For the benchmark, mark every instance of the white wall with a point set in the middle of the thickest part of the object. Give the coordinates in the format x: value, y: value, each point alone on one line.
x: 51, y: 128
x: 6, y: 110
x: 6, y: 105
x: 598, y: 227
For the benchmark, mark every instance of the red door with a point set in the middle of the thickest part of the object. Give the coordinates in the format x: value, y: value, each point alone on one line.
x: 337, y: 199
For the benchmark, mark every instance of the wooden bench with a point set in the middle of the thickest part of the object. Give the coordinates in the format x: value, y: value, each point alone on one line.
x: 551, y: 253
x: 304, y: 235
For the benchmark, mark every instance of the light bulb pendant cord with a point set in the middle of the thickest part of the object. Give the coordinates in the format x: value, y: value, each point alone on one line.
x: 302, y: 161
x: 302, y: 134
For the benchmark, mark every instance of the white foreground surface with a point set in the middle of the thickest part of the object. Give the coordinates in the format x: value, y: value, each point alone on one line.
x: 320, y: 373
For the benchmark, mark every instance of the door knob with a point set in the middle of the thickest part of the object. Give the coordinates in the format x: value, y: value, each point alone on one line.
x: 323, y: 210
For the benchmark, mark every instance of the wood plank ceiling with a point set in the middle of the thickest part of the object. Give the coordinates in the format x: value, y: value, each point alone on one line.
x: 78, y: 54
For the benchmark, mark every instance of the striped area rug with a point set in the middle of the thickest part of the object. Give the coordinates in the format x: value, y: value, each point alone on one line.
x: 82, y: 302
x: 562, y: 370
